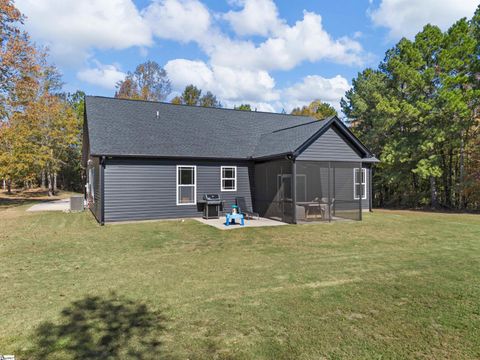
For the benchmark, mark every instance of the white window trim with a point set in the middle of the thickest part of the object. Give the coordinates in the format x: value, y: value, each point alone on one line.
x: 222, y: 178
x: 177, y: 185
x: 364, y: 192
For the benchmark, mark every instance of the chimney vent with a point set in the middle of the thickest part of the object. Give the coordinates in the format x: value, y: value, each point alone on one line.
x: 158, y: 114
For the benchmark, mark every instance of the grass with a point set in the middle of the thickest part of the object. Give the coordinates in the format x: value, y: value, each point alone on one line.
x: 397, y: 285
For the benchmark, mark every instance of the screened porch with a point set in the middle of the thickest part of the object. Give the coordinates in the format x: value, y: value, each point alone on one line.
x: 304, y: 191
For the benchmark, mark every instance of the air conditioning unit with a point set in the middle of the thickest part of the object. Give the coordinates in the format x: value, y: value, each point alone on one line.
x: 76, y: 203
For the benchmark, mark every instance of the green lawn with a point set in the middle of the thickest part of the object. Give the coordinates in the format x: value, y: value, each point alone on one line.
x: 397, y: 285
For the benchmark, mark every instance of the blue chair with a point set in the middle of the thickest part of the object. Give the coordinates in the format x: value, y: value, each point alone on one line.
x: 231, y: 217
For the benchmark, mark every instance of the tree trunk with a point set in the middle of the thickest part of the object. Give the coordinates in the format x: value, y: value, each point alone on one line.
x: 4, y: 184
x: 54, y: 183
x: 450, y: 200
x: 461, y: 173
x: 433, y: 193
x: 9, y: 186
x: 50, y: 184
x: 42, y: 185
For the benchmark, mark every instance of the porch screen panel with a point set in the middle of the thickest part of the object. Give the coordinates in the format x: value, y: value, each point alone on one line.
x: 345, y: 204
x: 313, y: 191
x: 273, y: 190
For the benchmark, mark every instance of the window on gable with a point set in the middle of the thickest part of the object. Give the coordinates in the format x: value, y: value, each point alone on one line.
x: 359, y: 183
x: 228, y: 178
x: 186, y: 185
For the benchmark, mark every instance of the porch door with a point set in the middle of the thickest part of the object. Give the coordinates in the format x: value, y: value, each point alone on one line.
x: 285, y: 198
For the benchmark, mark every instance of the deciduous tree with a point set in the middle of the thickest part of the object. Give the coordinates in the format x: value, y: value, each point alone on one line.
x: 243, y: 107
x: 149, y: 81
x: 209, y: 100
x: 317, y: 109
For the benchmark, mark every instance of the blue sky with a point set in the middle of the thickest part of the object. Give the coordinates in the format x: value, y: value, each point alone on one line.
x: 272, y: 54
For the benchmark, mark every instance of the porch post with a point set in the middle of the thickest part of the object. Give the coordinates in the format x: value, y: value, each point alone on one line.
x: 294, y: 190
x: 370, y: 188
x: 334, y: 187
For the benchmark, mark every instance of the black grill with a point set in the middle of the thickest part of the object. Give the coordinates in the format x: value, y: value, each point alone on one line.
x: 213, y: 204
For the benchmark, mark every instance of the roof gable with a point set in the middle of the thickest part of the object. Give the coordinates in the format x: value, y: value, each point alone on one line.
x: 331, y: 145
x: 344, y: 135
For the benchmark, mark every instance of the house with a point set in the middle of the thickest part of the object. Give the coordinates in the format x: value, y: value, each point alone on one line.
x: 153, y: 160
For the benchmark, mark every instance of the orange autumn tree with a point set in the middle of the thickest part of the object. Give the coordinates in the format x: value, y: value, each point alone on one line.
x: 37, y: 126
x: 18, y: 68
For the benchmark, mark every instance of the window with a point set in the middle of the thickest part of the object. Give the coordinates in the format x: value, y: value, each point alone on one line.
x: 186, y: 185
x: 228, y: 178
x: 359, y: 183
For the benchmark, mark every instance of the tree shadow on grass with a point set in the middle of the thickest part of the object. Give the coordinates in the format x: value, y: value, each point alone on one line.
x: 102, y: 328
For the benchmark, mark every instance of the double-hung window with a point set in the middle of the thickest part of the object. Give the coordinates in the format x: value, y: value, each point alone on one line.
x: 359, y: 183
x: 186, y: 185
x: 228, y: 178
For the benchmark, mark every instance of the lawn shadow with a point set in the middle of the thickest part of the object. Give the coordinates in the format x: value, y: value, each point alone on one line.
x: 102, y: 328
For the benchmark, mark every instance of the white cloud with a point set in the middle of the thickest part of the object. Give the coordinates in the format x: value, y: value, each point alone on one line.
x: 313, y: 87
x: 230, y: 85
x: 102, y: 75
x: 287, y: 47
x: 181, y: 20
x: 183, y: 72
x: 258, y: 17
x: 284, y: 48
x: 233, y: 86
x: 237, y: 68
x: 407, y: 17
x: 73, y: 28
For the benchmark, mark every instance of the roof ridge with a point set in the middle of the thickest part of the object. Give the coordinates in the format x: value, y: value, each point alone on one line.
x: 195, y: 106
x: 298, y: 125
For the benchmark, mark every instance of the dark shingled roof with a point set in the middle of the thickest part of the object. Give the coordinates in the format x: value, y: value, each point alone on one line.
x: 287, y: 140
x: 118, y: 127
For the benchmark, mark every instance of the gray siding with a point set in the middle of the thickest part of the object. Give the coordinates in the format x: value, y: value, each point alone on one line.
x: 344, y: 187
x: 330, y: 146
x: 137, y: 189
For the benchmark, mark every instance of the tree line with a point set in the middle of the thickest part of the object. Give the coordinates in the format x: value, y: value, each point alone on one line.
x: 419, y: 112
x: 149, y: 81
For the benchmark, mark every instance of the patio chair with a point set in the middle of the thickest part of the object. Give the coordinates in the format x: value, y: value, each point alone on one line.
x: 243, y: 208
x: 314, y: 207
x: 326, y: 206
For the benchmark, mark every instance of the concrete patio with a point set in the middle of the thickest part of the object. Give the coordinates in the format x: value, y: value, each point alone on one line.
x: 220, y: 223
x: 57, y: 205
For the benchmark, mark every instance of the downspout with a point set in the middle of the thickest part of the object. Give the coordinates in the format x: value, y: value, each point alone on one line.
x: 294, y: 190
x: 102, y: 190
